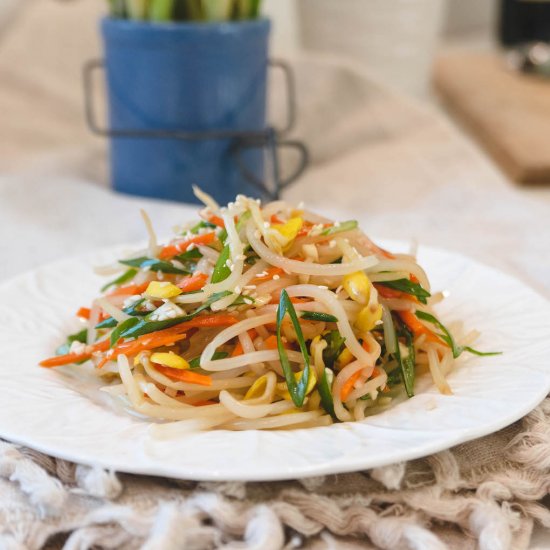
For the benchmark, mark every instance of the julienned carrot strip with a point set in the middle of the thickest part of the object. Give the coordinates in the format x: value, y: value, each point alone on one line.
x: 216, y: 220
x: 195, y: 282
x: 133, y: 347
x: 275, y: 219
x: 70, y: 358
x: 348, y: 384
x: 185, y: 375
x: 84, y: 312
x: 130, y: 290
x: 238, y: 350
x: 270, y: 342
x: 167, y: 337
x: 174, y: 249
x: 386, y: 292
x: 417, y: 328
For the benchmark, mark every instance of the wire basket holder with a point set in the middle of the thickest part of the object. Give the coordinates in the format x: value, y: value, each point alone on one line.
x: 271, y: 139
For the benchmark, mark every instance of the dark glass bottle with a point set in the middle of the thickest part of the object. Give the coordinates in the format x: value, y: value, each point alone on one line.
x: 524, y: 21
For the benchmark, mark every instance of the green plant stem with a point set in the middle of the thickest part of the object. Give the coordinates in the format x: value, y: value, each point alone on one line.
x: 161, y: 10
x: 137, y: 9
x: 117, y: 8
x: 217, y: 10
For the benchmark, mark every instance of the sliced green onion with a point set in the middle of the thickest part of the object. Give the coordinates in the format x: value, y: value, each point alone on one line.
x: 154, y: 265
x: 221, y: 271
x: 335, y: 344
x: 297, y: 390
x: 196, y: 362
x: 124, y: 278
x: 130, y: 310
x: 81, y: 336
x: 406, y: 364
x: 318, y: 316
x: 325, y: 392
x: 408, y: 287
x: 447, y: 337
x: 122, y: 327
x: 343, y: 226
x: 193, y: 254
x: 146, y: 326
x: 202, y: 225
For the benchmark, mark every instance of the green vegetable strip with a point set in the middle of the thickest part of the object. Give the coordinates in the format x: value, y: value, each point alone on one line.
x: 122, y: 327
x: 130, y: 310
x: 409, y: 363
x: 221, y: 271
x: 193, y: 254
x: 448, y: 337
x: 318, y: 316
x: 406, y: 365
x: 154, y: 265
x: 124, y: 278
x: 202, y: 224
x: 326, y: 394
x: 297, y: 390
x: 344, y: 226
x: 408, y: 287
x: 335, y: 345
x: 80, y: 336
x: 195, y: 363
x: 146, y: 326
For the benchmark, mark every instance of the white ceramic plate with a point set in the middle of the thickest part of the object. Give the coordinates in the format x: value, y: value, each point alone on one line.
x: 63, y: 416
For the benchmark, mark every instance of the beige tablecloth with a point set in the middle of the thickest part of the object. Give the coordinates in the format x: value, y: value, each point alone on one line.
x: 375, y: 155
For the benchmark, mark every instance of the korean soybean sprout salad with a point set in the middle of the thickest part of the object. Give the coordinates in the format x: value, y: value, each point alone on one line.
x: 262, y: 317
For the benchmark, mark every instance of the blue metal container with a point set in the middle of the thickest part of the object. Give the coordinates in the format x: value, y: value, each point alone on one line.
x: 191, y: 77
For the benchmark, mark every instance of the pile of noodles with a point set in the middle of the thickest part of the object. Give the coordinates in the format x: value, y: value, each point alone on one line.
x: 310, y: 272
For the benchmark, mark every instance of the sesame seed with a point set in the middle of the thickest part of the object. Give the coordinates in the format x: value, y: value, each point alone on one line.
x: 276, y: 277
x: 249, y: 287
x: 336, y: 224
x: 332, y: 243
x: 237, y: 290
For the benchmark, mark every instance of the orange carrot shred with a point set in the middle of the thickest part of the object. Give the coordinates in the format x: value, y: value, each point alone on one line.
x: 129, y: 290
x: 185, y: 375
x: 410, y: 319
x: 349, y: 383
x: 174, y: 249
x: 192, y: 283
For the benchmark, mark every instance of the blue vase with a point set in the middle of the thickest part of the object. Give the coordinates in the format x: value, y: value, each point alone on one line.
x: 189, y: 77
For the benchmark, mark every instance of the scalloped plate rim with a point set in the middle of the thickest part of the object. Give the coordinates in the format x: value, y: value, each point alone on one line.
x: 155, y: 466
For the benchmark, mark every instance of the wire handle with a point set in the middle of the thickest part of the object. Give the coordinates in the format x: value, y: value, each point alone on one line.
x: 270, y: 138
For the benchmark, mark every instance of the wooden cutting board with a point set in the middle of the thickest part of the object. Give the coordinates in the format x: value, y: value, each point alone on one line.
x: 508, y: 112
